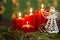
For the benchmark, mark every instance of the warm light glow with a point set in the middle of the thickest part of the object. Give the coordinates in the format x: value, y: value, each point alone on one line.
x: 20, y: 18
x: 31, y: 11
x: 27, y: 25
x: 26, y: 15
x: 42, y: 7
x: 19, y: 15
x: 27, y: 22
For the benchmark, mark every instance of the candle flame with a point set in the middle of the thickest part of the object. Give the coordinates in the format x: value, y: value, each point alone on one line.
x: 19, y: 15
x: 31, y: 11
x: 42, y: 7
x: 27, y: 22
x: 27, y: 25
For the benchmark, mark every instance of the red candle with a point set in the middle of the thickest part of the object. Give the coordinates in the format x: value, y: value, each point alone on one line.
x: 40, y: 17
x: 31, y: 20
x: 18, y: 22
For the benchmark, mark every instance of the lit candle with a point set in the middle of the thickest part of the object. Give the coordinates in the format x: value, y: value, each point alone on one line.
x: 31, y: 11
x: 27, y: 25
x: 27, y: 28
x: 42, y: 7
x: 40, y: 16
x: 31, y: 22
x: 26, y: 17
x: 32, y: 19
x: 44, y: 13
x: 18, y: 22
x: 19, y: 16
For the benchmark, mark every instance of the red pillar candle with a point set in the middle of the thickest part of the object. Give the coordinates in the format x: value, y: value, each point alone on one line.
x: 18, y: 22
x: 40, y: 17
x: 32, y: 19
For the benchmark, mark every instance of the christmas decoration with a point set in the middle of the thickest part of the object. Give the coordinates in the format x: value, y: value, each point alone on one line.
x: 27, y: 28
x: 39, y: 26
x: 36, y: 20
x: 30, y: 18
x: 41, y: 16
x: 52, y: 24
x: 18, y: 22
